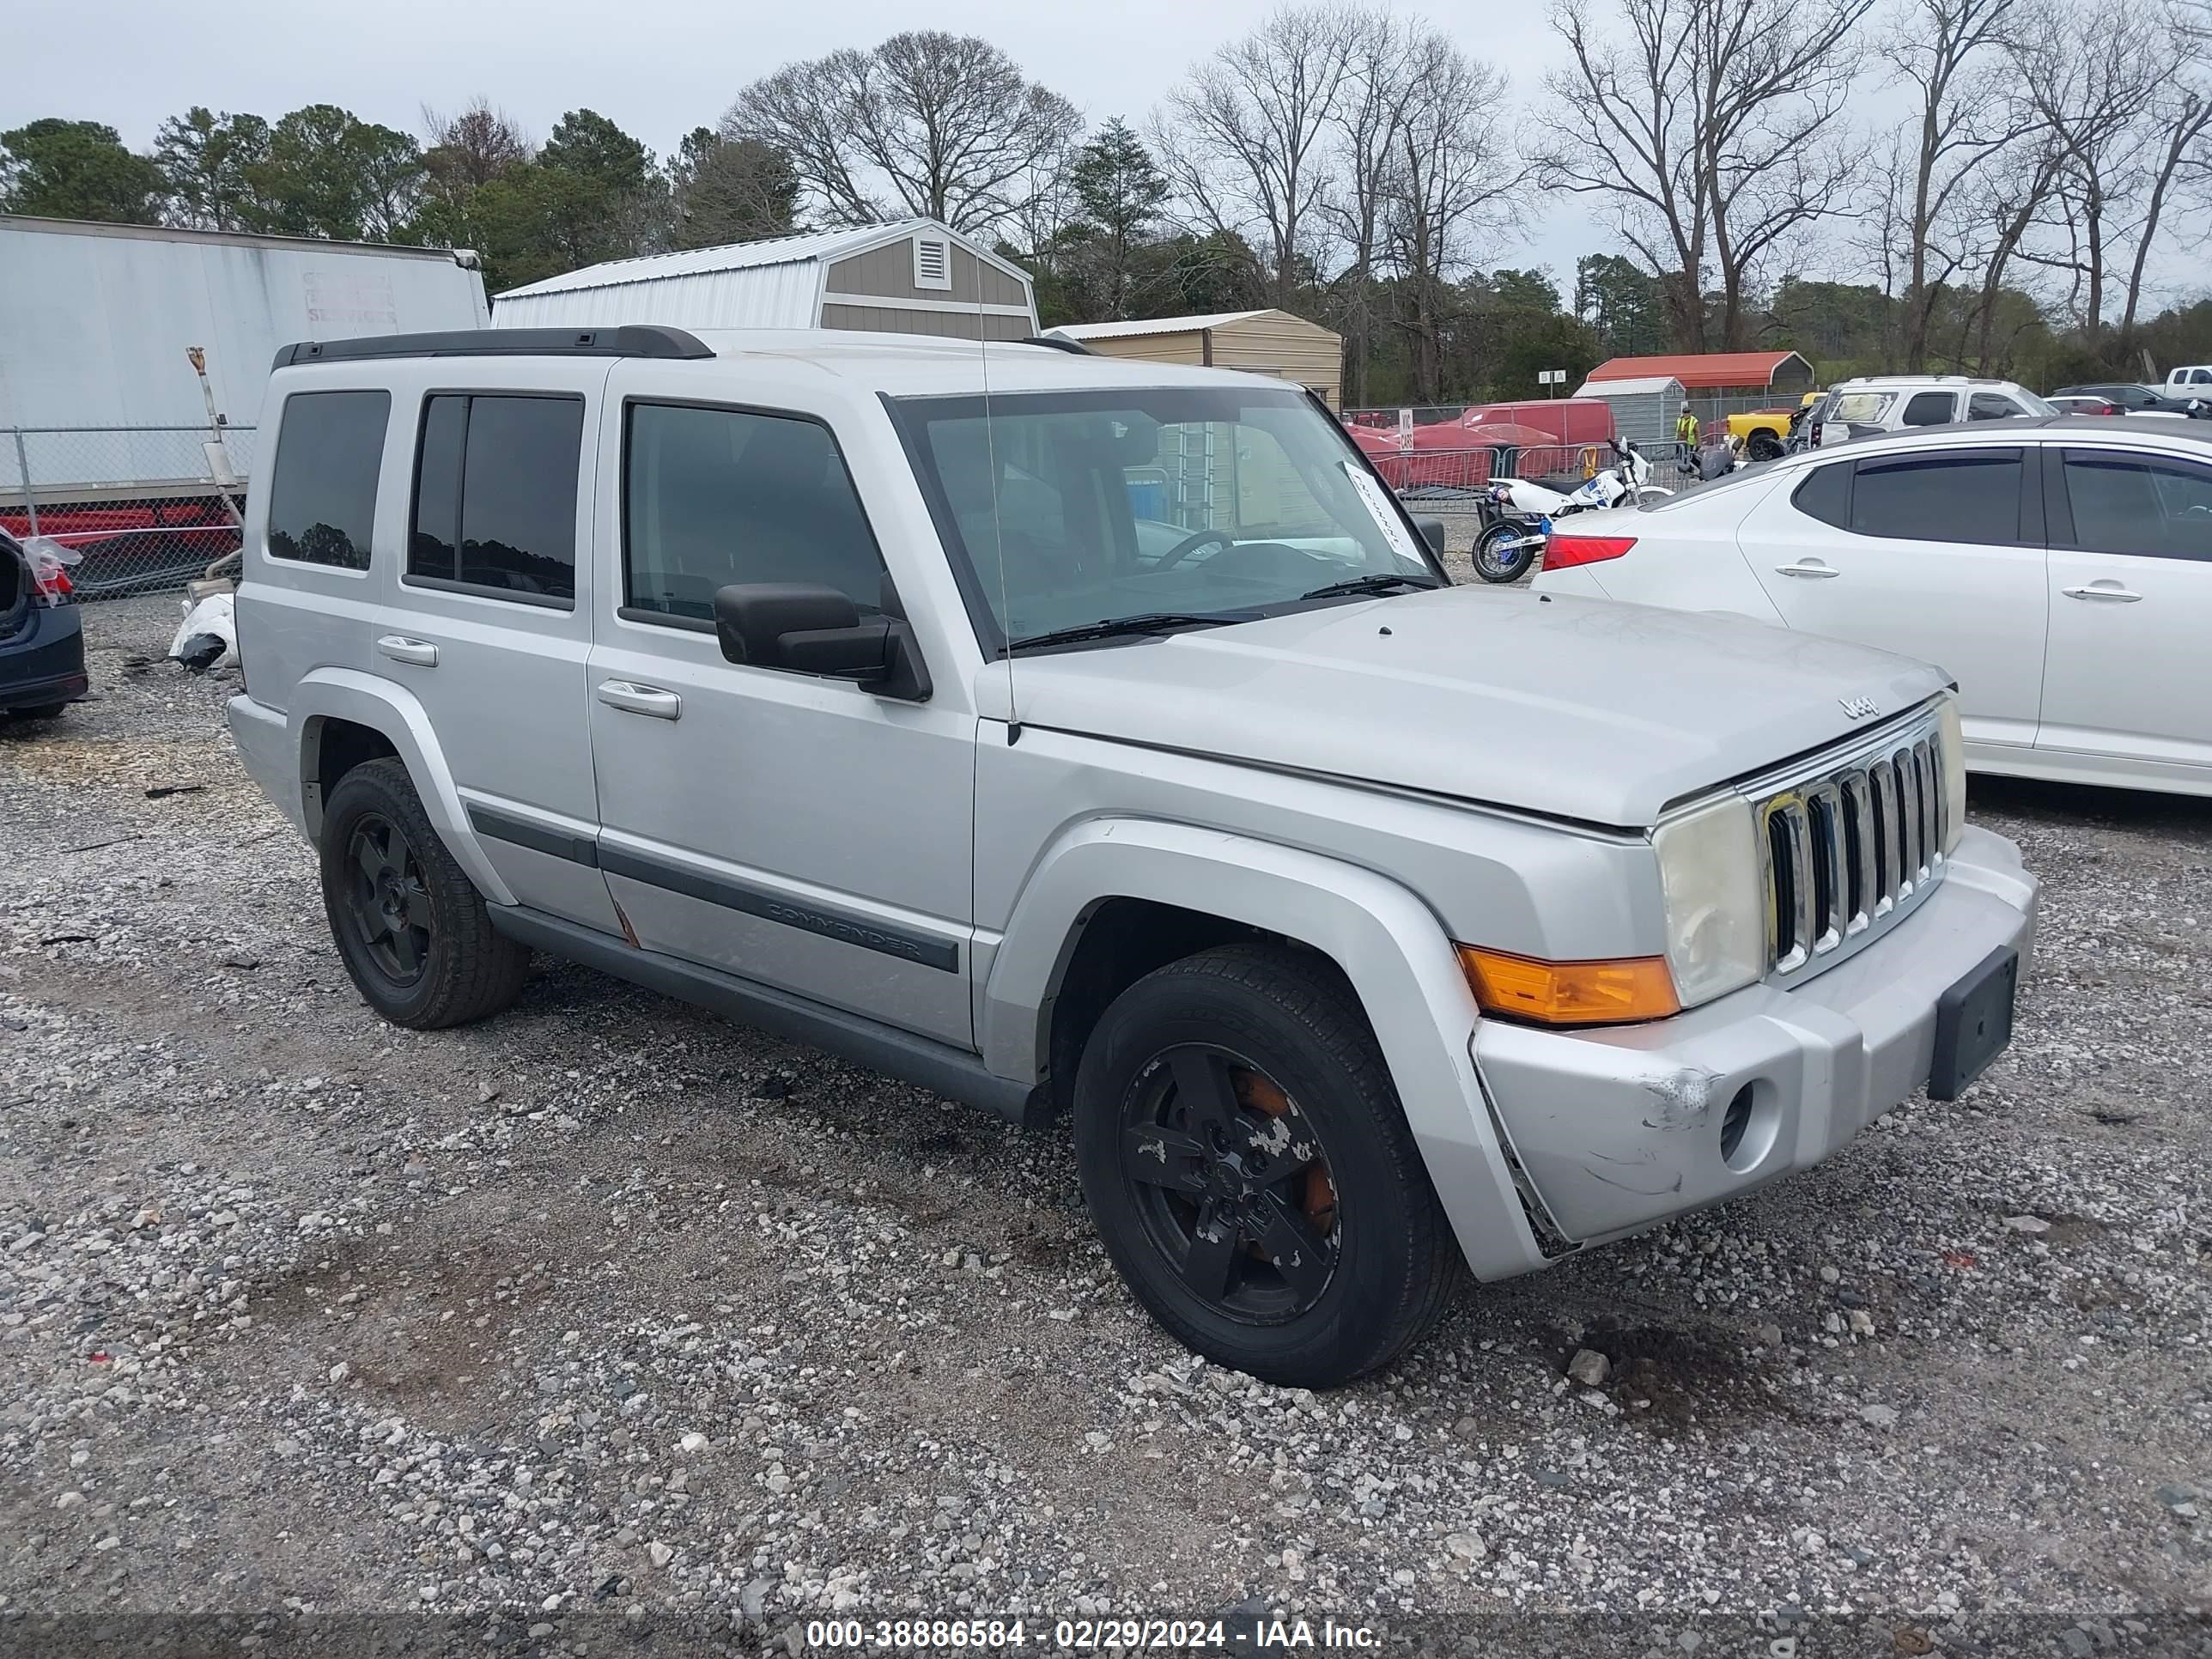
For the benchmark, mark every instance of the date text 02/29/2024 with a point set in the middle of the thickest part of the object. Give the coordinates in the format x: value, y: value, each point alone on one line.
x: 1086, y: 1635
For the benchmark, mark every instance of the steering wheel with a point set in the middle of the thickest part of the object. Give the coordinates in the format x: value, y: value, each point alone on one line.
x: 1190, y: 545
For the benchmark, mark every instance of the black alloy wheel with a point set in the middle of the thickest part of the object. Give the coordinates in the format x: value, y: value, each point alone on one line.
x: 1230, y: 1181
x: 387, y: 900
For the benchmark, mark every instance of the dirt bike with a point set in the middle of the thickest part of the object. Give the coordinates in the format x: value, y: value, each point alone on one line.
x: 1519, y: 511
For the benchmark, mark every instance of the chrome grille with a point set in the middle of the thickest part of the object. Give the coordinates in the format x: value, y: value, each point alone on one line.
x: 1849, y: 849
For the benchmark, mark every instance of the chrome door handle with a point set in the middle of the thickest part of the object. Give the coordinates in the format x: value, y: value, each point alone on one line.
x: 2109, y: 590
x: 635, y: 699
x: 400, y: 648
x: 1815, y: 569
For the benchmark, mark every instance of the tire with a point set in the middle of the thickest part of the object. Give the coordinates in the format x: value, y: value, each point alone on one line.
x: 411, y: 927
x: 44, y: 711
x: 1262, y: 1054
x: 1492, y: 563
x: 1763, y: 446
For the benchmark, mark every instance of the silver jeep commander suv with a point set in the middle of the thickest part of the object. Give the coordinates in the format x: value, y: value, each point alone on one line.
x: 1065, y: 734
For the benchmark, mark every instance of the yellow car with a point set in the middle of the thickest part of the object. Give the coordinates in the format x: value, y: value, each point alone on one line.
x: 1764, y: 433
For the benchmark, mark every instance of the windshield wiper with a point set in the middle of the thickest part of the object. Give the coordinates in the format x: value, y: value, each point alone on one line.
x: 1150, y: 621
x: 1367, y: 585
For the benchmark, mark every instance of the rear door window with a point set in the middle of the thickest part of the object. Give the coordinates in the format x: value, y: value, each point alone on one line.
x: 322, y: 493
x: 496, y: 494
x: 2154, y: 509
x: 1956, y: 497
x: 1928, y: 409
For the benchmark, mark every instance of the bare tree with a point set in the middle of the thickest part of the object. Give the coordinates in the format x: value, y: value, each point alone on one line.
x: 1244, y: 139
x: 1712, y: 128
x: 1452, y: 179
x: 474, y: 147
x: 2179, y: 117
x: 1951, y: 53
x: 2089, y: 77
x: 2011, y: 197
x: 1378, y: 65
x: 928, y: 123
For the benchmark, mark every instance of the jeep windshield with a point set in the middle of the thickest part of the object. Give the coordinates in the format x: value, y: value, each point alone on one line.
x: 1068, y: 514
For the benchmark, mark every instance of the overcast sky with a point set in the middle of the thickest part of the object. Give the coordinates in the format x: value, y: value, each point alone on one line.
x: 658, y: 68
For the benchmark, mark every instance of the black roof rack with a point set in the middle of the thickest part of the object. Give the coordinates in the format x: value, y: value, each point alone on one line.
x: 1051, y: 344
x: 636, y: 341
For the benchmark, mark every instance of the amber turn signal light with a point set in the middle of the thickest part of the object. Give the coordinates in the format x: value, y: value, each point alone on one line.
x: 1570, y: 992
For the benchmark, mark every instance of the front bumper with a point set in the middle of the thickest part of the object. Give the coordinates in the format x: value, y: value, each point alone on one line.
x: 1618, y: 1129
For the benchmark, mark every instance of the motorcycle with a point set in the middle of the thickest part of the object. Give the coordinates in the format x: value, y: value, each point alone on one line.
x: 1519, y: 511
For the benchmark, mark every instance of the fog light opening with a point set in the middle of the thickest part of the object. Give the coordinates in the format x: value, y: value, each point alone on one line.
x: 1747, y: 1126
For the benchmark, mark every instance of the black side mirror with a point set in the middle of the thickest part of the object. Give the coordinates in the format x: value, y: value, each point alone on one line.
x: 812, y: 629
x: 1432, y: 533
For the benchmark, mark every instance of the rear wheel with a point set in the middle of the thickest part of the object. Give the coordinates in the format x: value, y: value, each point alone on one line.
x: 1251, y: 1172
x: 1763, y: 446
x: 412, y: 929
x: 1495, y: 561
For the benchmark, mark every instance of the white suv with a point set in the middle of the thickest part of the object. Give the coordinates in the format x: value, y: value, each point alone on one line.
x: 1897, y: 403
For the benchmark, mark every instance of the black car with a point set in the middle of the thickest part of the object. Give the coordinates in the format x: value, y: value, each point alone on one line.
x: 41, y: 638
x: 2138, y: 399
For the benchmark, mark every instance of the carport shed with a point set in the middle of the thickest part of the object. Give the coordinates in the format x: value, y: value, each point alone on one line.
x: 1267, y: 341
x: 1719, y: 384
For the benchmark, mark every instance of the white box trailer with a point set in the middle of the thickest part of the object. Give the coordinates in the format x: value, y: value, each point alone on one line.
x: 95, y: 318
x: 103, y: 421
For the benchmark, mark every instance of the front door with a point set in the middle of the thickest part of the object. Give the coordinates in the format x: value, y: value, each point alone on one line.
x: 795, y: 830
x: 1924, y: 555
x: 2129, y: 673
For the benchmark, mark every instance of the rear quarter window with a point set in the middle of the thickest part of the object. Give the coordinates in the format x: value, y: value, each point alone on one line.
x: 1826, y: 494
x: 322, y: 490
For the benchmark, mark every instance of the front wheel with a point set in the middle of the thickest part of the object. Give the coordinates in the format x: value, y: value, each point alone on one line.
x: 1252, y: 1173
x: 1496, y: 557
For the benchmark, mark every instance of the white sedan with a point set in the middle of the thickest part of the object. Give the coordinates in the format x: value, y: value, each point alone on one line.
x: 2061, y: 570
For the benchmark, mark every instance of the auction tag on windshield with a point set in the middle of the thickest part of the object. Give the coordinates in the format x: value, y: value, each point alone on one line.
x: 1381, y: 509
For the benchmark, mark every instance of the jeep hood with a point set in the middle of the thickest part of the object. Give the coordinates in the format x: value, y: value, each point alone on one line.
x: 1572, y: 708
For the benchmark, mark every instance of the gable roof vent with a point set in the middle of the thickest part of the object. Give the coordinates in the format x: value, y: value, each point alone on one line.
x: 932, y: 262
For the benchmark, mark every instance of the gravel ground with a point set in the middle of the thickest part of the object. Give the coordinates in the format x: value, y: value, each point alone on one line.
x: 607, y: 1305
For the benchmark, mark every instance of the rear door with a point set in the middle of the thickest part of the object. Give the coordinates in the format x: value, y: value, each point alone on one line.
x: 2129, y: 673
x: 1932, y: 553
x: 486, y: 620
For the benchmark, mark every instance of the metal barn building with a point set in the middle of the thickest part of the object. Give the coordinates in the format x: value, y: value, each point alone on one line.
x: 1257, y: 341
x: 1644, y: 409
x: 903, y: 277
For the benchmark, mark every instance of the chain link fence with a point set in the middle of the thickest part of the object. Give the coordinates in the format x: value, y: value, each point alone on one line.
x: 1452, y: 484
x: 144, y: 508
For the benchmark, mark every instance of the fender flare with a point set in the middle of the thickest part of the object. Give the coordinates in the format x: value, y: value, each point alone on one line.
x: 1387, y: 942
x: 347, y: 694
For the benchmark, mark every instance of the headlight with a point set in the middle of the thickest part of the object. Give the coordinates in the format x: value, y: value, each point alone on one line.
x: 1709, y: 873
x: 1954, y: 746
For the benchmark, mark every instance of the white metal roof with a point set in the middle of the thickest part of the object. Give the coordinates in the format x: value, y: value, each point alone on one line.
x: 803, y: 247
x: 1643, y: 385
x: 1155, y: 325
